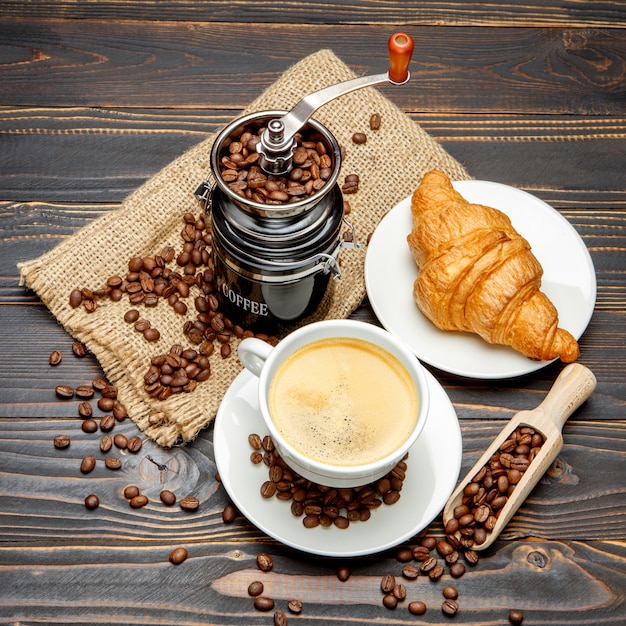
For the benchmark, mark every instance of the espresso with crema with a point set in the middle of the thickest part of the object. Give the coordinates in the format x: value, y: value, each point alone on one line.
x: 343, y: 401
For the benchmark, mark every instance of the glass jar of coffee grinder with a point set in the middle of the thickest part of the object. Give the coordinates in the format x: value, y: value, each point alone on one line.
x: 276, y: 209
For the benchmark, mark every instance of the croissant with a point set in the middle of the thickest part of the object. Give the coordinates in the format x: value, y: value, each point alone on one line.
x: 478, y: 274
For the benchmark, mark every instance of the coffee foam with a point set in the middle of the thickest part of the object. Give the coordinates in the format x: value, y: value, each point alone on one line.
x: 343, y: 401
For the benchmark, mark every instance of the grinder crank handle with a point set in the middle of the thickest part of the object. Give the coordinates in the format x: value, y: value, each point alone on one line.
x: 278, y: 137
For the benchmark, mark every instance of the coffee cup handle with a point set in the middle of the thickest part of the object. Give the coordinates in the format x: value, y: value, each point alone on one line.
x: 253, y: 353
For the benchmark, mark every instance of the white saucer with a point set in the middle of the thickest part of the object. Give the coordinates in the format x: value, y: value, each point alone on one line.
x: 433, y: 469
x: 569, y: 280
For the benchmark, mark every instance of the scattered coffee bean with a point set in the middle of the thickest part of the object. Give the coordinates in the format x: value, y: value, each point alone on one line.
x: 343, y: 573
x: 119, y: 412
x: 55, y: 357
x: 295, y: 607
x: 264, y: 562
x: 89, y: 426
x: 84, y: 410
x: 131, y: 316
x: 88, y: 464
x: 107, y: 423
x: 404, y: 555
x: 178, y: 555
x: 390, y: 601
x: 263, y: 603
x: 76, y: 298
x: 113, y: 463
x: 92, y: 502
x: 84, y: 391
x: 167, y: 497
x: 131, y: 491
x: 151, y: 334
x: 516, y: 617
x: 375, y: 121
x: 136, y: 502
x: 106, y: 443
x: 359, y: 138
x: 189, y: 503
x: 350, y: 184
x: 417, y: 608
x: 65, y: 392
x: 450, y: 592
x: 255, y: 588
x: 61, y: 441
x: 230, y: 513
x: 79, y: 349
x: 120, y: 441
x: 106, y: 404
x: 134, y: 444
x: 387, y: 583
x: 280, y: 619
x: 450, y: 607
x: 410, y: 572
x: 457, y: 570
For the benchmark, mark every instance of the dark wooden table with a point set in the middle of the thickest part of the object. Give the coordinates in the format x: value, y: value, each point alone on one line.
x: 95, y: 97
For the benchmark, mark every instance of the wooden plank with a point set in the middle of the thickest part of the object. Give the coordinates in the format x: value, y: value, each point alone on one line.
x: 102, y: 155
x: 575, y: 500
x: 177, y: 64
x: 599, y: 13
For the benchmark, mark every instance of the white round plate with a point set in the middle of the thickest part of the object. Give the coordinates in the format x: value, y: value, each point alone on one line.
x: 433, y: 469
x: 569, y: 280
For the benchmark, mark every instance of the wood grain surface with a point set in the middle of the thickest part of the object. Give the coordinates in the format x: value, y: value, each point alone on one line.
x: 96, y: 97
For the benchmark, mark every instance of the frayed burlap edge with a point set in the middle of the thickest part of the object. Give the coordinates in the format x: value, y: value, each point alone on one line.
x: 390, y: 166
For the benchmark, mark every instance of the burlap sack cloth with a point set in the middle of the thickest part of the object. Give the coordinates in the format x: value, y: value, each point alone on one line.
x: 390, y: 166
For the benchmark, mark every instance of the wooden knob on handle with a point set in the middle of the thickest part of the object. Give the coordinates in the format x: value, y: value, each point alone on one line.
x: 400, y: 52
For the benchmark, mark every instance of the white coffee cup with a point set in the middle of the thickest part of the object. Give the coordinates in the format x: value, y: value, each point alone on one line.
x: 264, y: 361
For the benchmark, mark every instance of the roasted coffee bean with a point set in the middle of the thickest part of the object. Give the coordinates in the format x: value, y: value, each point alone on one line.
x: 151, y: 334
x: 76, y: 298
x: 178, y: 555
x: 255, y: 588
x: 436, y: 572
x: 131, y: 316
x: 280, y: 619
x: 130, y: 492
x: 189, y: 503
x: 107, y: 423
x: 450, y: 607
x: 61, y: 441
x: 85, y: 392
x: 106, y: 404
x: 136, y: 502
x: 79, y: 349
x: 106, y: 443
x: 390, y: 601
x: 471, y: 556
x: 410, y: 572
x: 89, y: 426
x: 428, y: 542
x: 255, y: 441
x: 65, y: 392
x: 85, y: 410
x: 295, y: 607
x: 99, y: 383
x: 399, y: 591
x: 359, y: 138
x: 113, y: 463
x: 428, y: 564
x: 109, y: 391
x: 264, y: 562
x: 119, y: 412
x: 263, y: 603
x: 516, y: 617
x: 375, y: 121
x: 88, y: 464
x: 450, y: 592
x: 404, y: 555
x: 134, y: 444
x: 55, y: 357
x: 92, y: 502
x: 457, y: 570
x: 417, y: 608
x: 120, y: 441
x: 387, y: 583
x: 167, y: 497
x: 343, y: 573
x: 229, y: 514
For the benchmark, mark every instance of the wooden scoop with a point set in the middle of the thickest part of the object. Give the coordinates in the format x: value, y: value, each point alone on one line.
x: 571, y: 388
